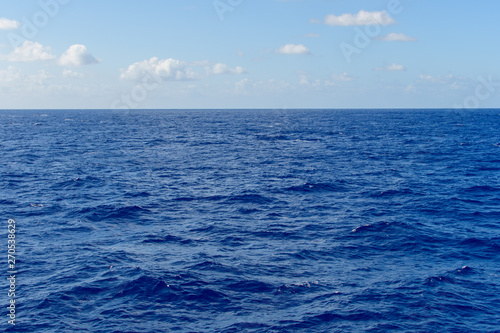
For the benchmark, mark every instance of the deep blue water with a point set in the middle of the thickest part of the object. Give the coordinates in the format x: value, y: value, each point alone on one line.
x: 253, y: 220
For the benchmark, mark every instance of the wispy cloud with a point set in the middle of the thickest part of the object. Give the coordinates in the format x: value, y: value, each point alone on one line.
x: 16, y: 80
x: 312, y: 35
x: 395, y: 37
x: 361, y: 18
x: 343, y: 77
x: 448, y: 82
x: 391, y: 68
x: 68, y: 73
x: 454, y: 82
x: 220, y: 68
x: 293, y: 49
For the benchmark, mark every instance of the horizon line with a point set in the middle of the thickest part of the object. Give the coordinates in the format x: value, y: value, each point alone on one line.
x: 228, y: 109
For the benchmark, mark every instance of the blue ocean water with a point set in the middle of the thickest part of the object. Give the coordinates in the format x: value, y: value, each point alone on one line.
x: 253, y: 220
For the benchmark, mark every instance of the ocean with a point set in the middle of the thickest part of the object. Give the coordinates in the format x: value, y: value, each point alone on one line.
x: 252, y: 220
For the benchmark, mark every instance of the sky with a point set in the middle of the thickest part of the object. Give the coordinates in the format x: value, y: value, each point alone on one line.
x: 184, y: 54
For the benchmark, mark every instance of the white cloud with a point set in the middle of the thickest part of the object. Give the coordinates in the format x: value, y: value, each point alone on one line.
x: 71, y: 74
x: 293, y: 49
x: 449, y: 82
x: 411, y: 88
x: 391, y: 68
x: 77, y: 56
x: 305, y: 80
x: 361, y: 18
x: 29, y: 51
x: 443, y: 79
x: 14, y: 79
x: 9, y: 75
x: 6, y: 24
x: 312, y: 35
x: 343, y: 77
x: 250, y: 87
x: 176, y: 70
x: 224, y: 69
x: 168, y: 69
x: 395, y: 37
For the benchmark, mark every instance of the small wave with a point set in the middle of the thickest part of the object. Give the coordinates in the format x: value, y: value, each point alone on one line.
x: 277, y: 234
x: 250, y: 198
x: 464, y: 270
x: 151, y: 287
x: 142, y: 194
x: 251, y: 286
x: 375, y: 227
x: 209, y: 198
x: 295, y: 288
x: 391, y: 193
x: 212, y: 266
x: 208, y: 295
x: 434, y: 281
x: 246, y: 326
x: 271, y: 137
x: 85, y: 182
x: 166, y: 239
x: 318, y: 187
x: 310, y: 255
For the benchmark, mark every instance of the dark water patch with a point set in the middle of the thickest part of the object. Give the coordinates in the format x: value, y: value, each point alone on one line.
x: 250, y: 199
x: 111, y: 212
x: 481, y: 189
x: 489, y: 244
x: 148, y: 287
x: 250, y: 286
x: 272, y: 137
x: 79, y: 183
x: 158, y: 239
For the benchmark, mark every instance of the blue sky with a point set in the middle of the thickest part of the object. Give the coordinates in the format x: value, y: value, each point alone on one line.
x: 249, y: 54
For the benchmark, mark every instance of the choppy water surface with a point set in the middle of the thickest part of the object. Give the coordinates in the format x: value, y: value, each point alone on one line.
x: 254, y: 220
